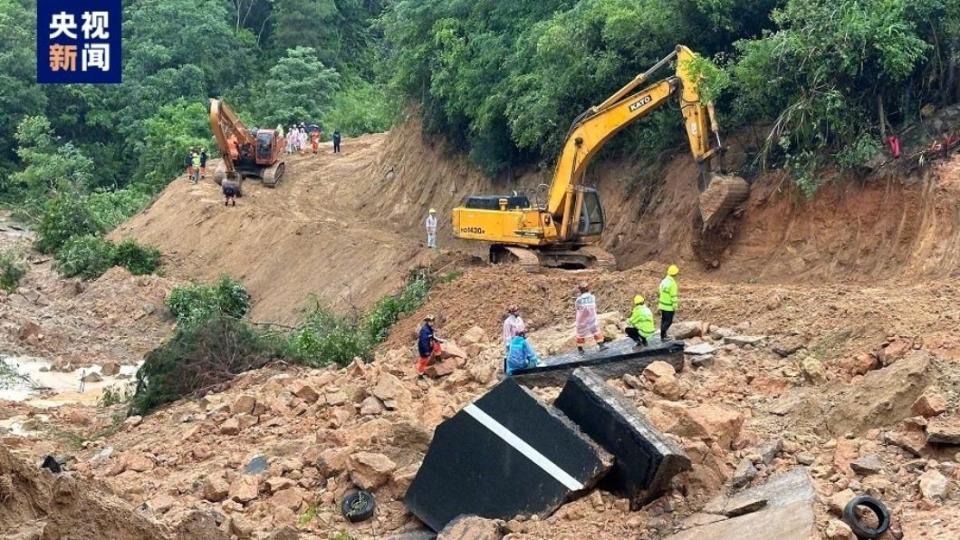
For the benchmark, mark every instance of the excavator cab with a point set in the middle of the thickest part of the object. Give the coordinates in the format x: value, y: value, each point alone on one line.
x: 264, y: 146
x: 591, y: 216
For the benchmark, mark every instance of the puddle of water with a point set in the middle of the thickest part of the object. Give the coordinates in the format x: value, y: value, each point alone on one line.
x: 16, y: 426
x: 40, y: 387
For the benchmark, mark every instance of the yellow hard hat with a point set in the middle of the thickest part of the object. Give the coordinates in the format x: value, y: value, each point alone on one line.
x: 673, y: 270
x: 638, y: 299
x: 432, y: 211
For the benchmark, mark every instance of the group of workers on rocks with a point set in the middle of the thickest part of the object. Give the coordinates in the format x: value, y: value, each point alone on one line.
x: 519, y: 354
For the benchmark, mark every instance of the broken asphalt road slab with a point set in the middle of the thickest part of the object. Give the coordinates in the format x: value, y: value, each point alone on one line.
x: 619, y: 358
x: 787, y: 515
x: 645, y: 459
x: 505, y: 454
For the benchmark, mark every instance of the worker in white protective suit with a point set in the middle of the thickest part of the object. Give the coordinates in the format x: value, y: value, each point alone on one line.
x: 431, y: 224
x: 586, y: 306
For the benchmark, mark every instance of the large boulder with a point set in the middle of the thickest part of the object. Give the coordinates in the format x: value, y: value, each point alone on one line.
x: 883, y: 397
x: 707, y: 422
x: 685, y: 330
x: 370, y: 470
x: 472, y: 528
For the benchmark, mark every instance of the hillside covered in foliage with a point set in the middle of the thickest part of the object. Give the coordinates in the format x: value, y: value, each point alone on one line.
x: 820, y: 80
x: 505, y: 79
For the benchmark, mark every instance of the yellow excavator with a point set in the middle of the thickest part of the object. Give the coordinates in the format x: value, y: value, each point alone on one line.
x: 564, y: 230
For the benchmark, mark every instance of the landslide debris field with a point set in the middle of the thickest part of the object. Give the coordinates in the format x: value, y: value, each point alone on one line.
x: 831, y: 331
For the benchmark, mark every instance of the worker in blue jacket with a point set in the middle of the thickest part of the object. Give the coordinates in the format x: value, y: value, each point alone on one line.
x: 521, y: 355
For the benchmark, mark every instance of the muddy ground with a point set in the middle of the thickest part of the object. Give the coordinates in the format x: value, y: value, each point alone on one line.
x: 853, y: 301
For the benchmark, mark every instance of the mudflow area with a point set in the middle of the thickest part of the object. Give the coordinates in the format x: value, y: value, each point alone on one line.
x: 828, y: 341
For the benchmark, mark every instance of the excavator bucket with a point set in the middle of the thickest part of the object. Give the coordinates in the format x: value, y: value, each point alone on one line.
x: 722, y: 195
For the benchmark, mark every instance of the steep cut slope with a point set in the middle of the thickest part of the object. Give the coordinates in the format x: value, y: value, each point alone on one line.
x: 348, y: 227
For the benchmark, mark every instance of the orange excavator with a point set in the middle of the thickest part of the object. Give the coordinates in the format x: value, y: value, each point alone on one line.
x: 245, y: 152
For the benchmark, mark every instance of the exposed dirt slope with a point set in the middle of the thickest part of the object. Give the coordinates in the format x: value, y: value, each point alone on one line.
x: 38, y: 505
x: 347, y: 227
x: 307, y: 236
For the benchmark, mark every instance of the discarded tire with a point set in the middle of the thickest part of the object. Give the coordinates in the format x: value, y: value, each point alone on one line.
x: 51, y: 464
x: 358, y: 505
x: 875, y: 506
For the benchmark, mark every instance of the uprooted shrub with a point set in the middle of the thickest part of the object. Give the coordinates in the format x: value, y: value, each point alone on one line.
x: 86, y: 256
x: 194, y: 303
x: 138, y: 259
x: 89, y: 256
x: 12, y: 269
x: 198, y: 357
x: 326, y: 338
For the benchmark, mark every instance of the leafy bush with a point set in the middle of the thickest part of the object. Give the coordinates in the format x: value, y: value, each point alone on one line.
x: 86, y: 256
x: 199, y: 356
x: 65, y: 217
x: 326, y: 338
x: 389, y: 309
x: 115, y: 395
x: 195, y: 303
x: 139, y: 260
x: 12, y: 269
x: 111, y: 208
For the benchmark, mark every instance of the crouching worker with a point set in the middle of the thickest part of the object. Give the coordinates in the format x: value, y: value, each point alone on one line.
x: 428, y: 346
x: 521, y: 355
x: 640, y: 324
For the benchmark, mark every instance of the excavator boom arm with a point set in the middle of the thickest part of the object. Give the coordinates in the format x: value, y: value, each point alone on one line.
x: 591, y: 130
x: 228, y: 131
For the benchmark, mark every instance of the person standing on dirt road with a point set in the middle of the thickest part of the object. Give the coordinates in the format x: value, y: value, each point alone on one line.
x: 428, y: 346
x: 431, y: 225
x: 640, y: 324
x: 229, y: 194
x: 669, y: 300
x: 196, y: 167
x: 336, y: 141
x: 586, y: 307
x: 188, y: 162
x: 315, y: 141
x: 203, y: 163
x: 512, y: 326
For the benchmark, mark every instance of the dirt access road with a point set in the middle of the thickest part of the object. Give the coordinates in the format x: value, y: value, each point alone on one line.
x: 308, y: 236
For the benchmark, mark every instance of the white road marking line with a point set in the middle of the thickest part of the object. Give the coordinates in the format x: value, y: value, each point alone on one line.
x: 530, y: 452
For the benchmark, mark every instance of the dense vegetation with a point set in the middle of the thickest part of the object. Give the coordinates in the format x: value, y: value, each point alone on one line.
x: 213, y: 341
x: 501, y: 79
x: 275, y: 60
x: 504, y: 79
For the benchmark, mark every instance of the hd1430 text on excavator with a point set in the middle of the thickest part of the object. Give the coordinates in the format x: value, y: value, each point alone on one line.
x: 565, y: 230
x: 245, y: 152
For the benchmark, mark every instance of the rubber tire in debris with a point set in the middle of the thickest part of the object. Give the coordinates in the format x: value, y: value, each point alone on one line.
x: 875, y: 506
x: 50, y: 463
x: 358, y: 505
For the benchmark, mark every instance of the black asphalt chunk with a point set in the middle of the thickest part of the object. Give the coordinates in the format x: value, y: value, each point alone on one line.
x: 619, y: 358
x: 504, y: 455
x: 646, y: 460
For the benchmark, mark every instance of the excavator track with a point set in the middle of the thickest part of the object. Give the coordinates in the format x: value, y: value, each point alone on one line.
x: 527, y: 259
x: 532, y: 260
x: 272, y: 175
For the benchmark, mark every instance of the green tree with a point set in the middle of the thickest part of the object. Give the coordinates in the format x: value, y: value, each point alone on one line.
x: 20, y: 96
x: 168, y: 135
x: 299, y: 88
x: 50, y: 166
